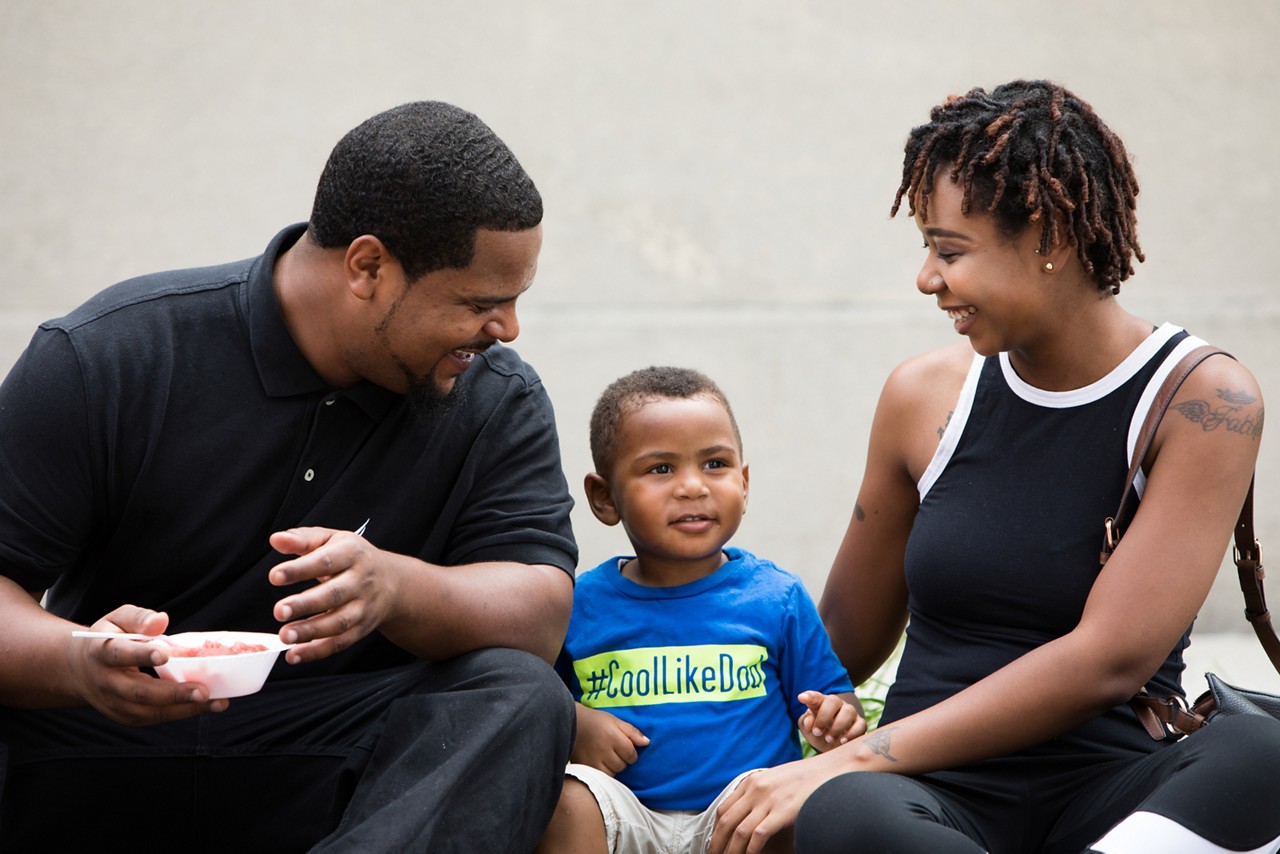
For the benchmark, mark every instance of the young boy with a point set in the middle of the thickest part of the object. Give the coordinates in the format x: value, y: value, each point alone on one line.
x: 693, y: 663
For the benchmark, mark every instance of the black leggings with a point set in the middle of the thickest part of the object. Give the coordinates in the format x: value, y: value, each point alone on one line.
x: 1225, y: 790
x: 463, y: 755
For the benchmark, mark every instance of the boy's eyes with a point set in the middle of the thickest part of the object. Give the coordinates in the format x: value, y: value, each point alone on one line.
x: 667, y: 468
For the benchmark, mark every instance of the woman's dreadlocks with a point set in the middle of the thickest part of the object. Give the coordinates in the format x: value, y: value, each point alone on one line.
x: 1031, y: 152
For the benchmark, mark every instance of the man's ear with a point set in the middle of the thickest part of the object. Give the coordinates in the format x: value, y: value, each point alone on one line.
x: 364, y: 265
x: 600, y: 498
x: 746, y: 479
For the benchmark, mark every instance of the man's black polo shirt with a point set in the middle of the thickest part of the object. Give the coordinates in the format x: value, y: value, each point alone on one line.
x: 152, y: 439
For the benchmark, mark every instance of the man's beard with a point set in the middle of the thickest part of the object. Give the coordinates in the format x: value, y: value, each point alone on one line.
x: 429, y: 404
x: 426, y: 401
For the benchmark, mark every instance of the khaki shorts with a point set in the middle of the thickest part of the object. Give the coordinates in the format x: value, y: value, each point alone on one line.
x: 633, y: 828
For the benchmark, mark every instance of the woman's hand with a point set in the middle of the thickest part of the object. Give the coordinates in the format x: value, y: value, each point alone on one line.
x: 765, y: 804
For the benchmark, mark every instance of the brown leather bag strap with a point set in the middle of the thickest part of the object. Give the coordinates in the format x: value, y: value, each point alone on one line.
x: 1159, y: 716
x: 1247, y: 554
x: 1115, y: 525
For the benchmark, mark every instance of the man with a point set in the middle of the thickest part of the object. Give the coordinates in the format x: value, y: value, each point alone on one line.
x: 198, y: 449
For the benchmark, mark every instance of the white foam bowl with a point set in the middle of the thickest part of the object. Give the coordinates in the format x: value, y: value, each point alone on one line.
x: 233, y: 675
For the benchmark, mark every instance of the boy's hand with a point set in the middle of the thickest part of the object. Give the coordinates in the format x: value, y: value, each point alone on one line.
x: 832, y: 719
x: 606, y: 742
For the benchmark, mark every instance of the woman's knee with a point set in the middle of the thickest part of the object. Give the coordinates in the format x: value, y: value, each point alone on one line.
x: 840, y: 814
x: 1253, y: 733
x: 1238, y: 748
x: 871, y: 811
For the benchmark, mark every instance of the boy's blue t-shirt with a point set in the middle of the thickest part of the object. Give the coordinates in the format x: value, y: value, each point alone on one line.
x: 709, y: 671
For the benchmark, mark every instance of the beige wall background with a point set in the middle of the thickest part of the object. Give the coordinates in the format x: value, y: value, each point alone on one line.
x: 717, y: 178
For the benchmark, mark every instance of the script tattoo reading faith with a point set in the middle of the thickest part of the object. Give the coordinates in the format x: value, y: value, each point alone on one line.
x: 1226, y: 414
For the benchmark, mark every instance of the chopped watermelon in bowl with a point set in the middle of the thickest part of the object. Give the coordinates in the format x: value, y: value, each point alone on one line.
x: 229, y: 664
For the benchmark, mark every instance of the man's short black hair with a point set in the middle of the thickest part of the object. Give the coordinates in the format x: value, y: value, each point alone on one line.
x: 422, y: 177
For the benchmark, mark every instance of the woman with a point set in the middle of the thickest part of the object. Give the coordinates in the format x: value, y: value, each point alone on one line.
x: 991, y: 468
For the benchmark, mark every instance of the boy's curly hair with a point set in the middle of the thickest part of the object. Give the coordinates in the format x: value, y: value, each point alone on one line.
x: 629, y: 393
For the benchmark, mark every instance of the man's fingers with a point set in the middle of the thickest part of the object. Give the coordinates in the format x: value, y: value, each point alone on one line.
x: 149, y: 715
x: 321, y: 554
x: 315, y: 650
x: 339, y: 622
x: 300, y: 541
x: 324, y: 598
x: 135, y: 698
x: 133, y: 618
x: 131, y: 653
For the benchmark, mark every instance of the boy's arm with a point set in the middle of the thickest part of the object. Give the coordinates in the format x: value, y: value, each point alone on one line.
x: 830, y: 714
x: 605, y: 741
x: 831, y: 719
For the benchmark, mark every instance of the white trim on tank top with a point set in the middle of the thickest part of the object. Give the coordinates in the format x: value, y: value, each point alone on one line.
x: 1185, y: 346
x: 1119, y: 375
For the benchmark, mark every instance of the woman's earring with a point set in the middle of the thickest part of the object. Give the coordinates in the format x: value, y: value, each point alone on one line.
x: 1048, y: 266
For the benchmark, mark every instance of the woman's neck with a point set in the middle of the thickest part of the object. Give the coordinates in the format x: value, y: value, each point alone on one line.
x: 1094, y: 339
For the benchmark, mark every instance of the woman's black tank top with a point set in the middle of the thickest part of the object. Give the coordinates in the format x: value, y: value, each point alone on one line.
x: 1004, y: 548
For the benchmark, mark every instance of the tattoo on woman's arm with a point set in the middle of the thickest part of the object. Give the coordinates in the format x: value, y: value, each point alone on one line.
x: 878, y: 742
x: 1228, y: 414
x: 943, y: 428
x: 858, y: 512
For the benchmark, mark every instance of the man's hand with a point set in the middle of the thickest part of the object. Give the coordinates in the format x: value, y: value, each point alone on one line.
x: 605, y: 741
x: 832, y: 719
x: 108, y: 677
x: 355, y: 591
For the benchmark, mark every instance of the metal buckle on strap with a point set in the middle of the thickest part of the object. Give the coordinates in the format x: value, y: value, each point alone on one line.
x: 1255, y: 555
x: 1180, y: 718
x: 1112, y: 538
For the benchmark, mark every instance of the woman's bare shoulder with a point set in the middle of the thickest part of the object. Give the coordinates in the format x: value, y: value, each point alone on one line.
x: 916, y: 405
x: 1228, y: 382
x: 931, y: 376
x: 1220, y: 401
